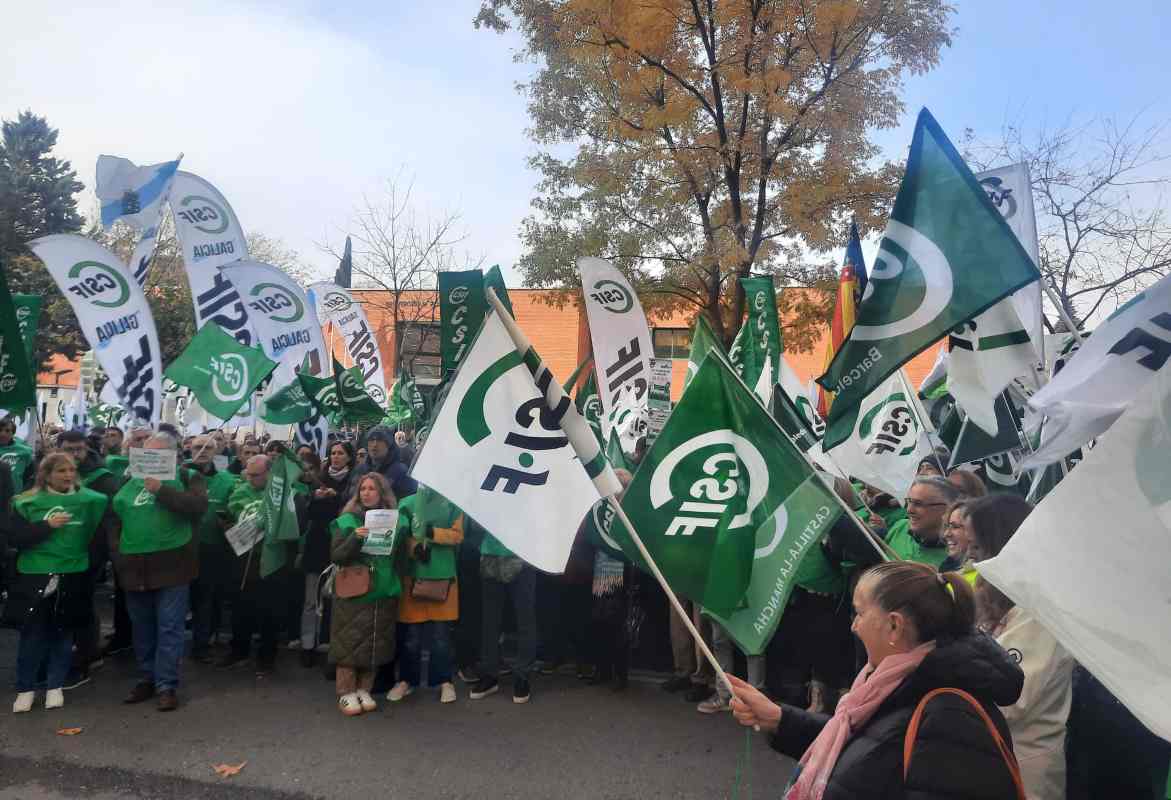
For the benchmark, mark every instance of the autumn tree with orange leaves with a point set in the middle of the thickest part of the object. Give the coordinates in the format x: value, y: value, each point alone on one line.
x: 710, y: 140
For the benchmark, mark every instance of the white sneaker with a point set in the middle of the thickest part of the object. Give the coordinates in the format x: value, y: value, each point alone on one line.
x: 54, y: 698
x: 24, y: 702
x: 350, y: 705
x: 399, y: 691
x: 447, y: 693
x: 367, y: 701
x: 714, y: 705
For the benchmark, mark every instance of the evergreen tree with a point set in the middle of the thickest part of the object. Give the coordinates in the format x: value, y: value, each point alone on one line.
x: 37, y: 197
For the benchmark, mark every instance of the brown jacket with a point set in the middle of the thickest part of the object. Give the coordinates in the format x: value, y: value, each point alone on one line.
x: 144, y: 572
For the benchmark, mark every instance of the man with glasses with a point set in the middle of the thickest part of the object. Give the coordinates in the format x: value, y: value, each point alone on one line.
x: 919, y: 537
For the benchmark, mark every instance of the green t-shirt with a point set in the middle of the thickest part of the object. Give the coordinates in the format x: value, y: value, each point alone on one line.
x: 908, y: 548
x: 67, y: 548
x: 244, y: 498
x: 93, y: 475
x: 18, y: 456
x: 491, y: 546
x: 219, y: 488
x: 148, y: 527
x: 384, y: 580
x: 439, y: 513
x: 118, y: 465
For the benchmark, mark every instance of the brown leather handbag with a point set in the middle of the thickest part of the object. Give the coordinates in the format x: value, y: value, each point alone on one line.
x: 431, y: 590
x: 352, y: 581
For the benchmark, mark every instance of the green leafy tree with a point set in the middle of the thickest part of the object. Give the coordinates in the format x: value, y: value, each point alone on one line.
x: 38, y: 197
x: 696, y: 141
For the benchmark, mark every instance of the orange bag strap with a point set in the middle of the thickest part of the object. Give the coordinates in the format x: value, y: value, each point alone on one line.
x: 1005, y: 751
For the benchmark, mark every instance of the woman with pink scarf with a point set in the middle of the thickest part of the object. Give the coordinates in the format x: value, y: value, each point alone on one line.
x: 918, y: 628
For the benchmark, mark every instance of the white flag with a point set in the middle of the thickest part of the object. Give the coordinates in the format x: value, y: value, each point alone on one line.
x: 621, y: 338
x: 1006, y: 341
x: 113, y: 315
x: 1110, y: 370
x: 211, y: 237
x: 498, y: 452
x: 282, y: 316
x: 135, y: 195
x: 77, y: 417
x: 888, y: 441
x: 337, y: 305
x: 1090, y: 562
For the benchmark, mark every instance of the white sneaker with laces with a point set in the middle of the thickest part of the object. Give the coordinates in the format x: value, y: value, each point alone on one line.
x: 714, y: 705
x: 54, y: 698
x: 24, y: 702
x: 447, y: 693
x: 350, y: 705
x: 367, y: 700
x: 399, y: 691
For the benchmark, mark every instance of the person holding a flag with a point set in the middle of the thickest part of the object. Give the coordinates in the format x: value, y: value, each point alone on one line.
x: 52, y: 527
x: 918, y: 628
x: 16, y: 454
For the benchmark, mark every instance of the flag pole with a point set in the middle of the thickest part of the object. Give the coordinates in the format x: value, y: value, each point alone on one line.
x: 675, y: 604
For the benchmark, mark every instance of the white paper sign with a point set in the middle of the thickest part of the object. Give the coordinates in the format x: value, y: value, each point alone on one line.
x: 151, y: 463
x: 220, y: 462
x: 381, y: 524
x: 244, y: 535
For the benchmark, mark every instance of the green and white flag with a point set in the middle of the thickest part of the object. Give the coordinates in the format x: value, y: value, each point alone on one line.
x: 947, y: 255
x: 18, y: 388
x: 703, y: 341
x: 400, y: 406
x: 356, y: 405
x: 288, y: 405
x: 494, y: 280
x: 279, y: 513
x: 741, y: 355
x: 720, y: 470
x: 589, y: 405
x: 763, y: 326
x: 322, y: 393
x: 888, y: 439
x: 512, y: 451
x: 28, y: 316
x: 461, y: 312
x: 221, y: 372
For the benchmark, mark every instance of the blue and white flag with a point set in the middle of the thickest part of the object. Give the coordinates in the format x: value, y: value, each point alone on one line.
x: 135, y: 195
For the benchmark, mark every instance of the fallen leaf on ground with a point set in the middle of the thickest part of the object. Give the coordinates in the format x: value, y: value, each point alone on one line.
x: 69, y: 731
x: 227, y: 770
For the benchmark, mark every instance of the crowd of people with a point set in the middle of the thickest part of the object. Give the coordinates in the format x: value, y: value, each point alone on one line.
x: 871, y: 653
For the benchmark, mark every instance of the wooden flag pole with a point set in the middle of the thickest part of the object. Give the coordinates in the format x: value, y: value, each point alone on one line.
x: 675, y: 604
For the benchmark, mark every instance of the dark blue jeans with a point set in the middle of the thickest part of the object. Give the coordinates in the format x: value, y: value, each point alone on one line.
x: 521, y: 592
x: 158, y: 620
x: 434, y: 637
x: 43, y: 646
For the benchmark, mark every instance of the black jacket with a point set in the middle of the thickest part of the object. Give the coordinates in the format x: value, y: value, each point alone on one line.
x: 321, y: 512
x: 390, y: 468
x: 954, y: 756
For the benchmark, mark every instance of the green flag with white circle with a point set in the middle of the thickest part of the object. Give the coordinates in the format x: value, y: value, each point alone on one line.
x: 221, y: 372
x: 946, y: 256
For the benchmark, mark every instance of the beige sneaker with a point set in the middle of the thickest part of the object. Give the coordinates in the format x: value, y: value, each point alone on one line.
x: 401, y: 689
x: 714, y: 705
x: 54, y: 698
x: 447, y: 693
x: 367, y: 701
x: 350, y: 705
x: 24, y: 702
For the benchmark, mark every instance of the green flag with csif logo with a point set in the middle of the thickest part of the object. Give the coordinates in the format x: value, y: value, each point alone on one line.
x: 461, y: 312
x: 18, y: 386
x: 28, y: 316
x: 762, y: 329
x: 720, y: 471
x: 947, y: 255
x: 322, y: 393
x: 221, y: 372
x: 288, y: 405
x: 703, y: 340
x: 356, y: 405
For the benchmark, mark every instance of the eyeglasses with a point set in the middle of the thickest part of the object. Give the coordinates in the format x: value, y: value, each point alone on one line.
x: 920, y: 504
x: 955, y: 526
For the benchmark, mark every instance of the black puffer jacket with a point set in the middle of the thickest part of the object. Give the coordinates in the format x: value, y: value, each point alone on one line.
x: 954, y: 756
x: 323, y: 511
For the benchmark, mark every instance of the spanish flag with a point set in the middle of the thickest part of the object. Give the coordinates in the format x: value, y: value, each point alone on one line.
x: 839, y: 328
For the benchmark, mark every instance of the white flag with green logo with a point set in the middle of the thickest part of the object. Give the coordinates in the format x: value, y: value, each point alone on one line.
x: 114, y: 317
x: 337, y: 305
x: 620, y: 336
x: 282, y: 316
x: 888, y: 439
x: 721, y: 469
x: 1090, y: 561
x: 947, y: 255
x: 497, y: 451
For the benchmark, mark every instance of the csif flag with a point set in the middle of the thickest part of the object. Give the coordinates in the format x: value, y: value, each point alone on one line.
x: 221, y: 372
x: 763, y: 337
x: 114, y: 316
x: 947, y: 255
x: 711, y: 497
x: 498, y: 450
x: 18, y: 388
x: 355, y: 403
x: 288, y: 405
x: 703, y: 341
x: 461, y: 312
x: 336, y: 305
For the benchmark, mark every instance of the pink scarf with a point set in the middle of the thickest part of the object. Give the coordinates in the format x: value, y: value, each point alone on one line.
x: 870, y: 689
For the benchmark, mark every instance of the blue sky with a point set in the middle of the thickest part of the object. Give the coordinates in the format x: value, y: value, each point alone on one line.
x: 296, y: 110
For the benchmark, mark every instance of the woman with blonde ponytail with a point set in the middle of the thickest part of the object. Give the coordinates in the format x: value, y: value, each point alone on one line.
x: 918, y: 628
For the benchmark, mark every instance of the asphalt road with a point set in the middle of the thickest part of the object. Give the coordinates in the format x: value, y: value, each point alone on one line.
x: 570, y: 741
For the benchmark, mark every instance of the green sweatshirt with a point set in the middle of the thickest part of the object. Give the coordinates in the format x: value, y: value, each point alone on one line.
x: 384, y: 580
x: 67, y: 548
x: 908, y: 548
